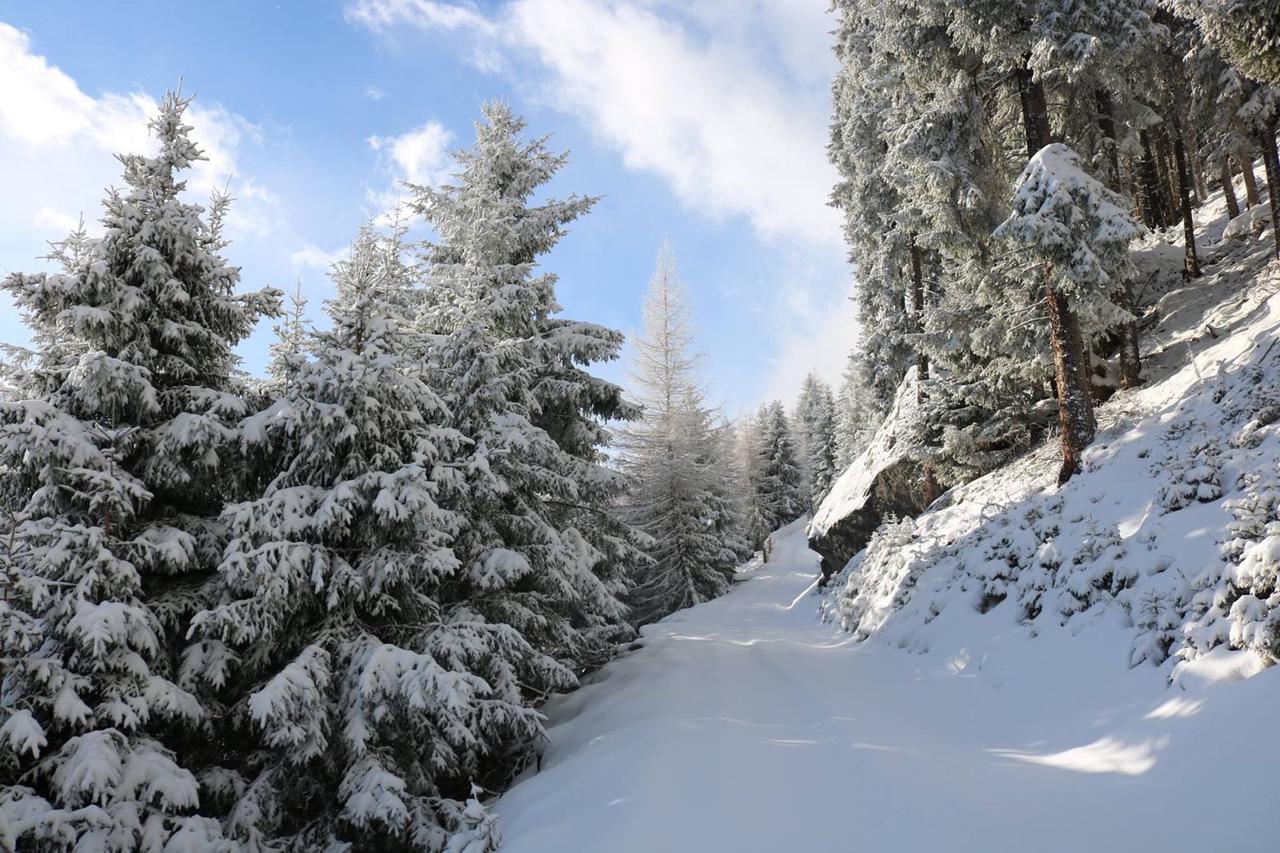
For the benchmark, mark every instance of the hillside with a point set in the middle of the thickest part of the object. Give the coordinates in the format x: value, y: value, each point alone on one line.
x: 1168, y: 523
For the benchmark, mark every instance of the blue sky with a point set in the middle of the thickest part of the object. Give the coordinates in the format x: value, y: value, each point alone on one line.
x: 702, y: 121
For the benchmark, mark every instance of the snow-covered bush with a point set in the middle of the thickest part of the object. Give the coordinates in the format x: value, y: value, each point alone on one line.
x: 1239, y: 605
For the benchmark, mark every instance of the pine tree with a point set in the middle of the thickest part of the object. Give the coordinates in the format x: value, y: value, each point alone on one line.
x: 756, y: 517
x: 815, y: 421
x: 674, y: 455
x: 116, y: 468
x: 1247, y: 32
x: 284, y: 356
x: 1080, y: 231
x: 777, y: 475
x: 363, y: 697
x: 857, y: 416
x: 499, y: 358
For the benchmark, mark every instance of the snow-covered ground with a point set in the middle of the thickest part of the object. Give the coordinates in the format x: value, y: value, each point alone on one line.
x: 746, y: 724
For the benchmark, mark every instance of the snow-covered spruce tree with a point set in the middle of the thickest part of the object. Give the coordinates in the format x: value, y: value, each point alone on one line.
x: 363, y: 696
x: 1080, y: 232
x: 857, y: 416
x: 756, y: 518
x: 116, y: 465
x: 286, y: 351
x: 497, y: 358
x: 1246, y: 31
x: 867, y: 196
x: 679, y: 497
x: 777, y: 475
x: 815, y: 419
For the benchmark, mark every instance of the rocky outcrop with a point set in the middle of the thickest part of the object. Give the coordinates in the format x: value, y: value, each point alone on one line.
x: 885, y: 481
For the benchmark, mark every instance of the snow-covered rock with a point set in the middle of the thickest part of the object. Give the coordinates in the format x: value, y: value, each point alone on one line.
x: 885, y: 481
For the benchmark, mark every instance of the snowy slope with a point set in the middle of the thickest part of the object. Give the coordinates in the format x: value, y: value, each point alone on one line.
x: 1172, y: 524
x: 745, y: 724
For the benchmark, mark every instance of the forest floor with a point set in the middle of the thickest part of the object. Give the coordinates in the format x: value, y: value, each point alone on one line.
x: 747, y: 724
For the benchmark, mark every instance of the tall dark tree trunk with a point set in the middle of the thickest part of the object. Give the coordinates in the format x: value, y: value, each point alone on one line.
x: 1107, y: 124
x: 1035, y: 111
x: 1251, y: 196
x: 1168, y: 176
x: 1190, y: 260
x: 917, y: 316
x: 1229, y: 190
x: 1075, y: 407
x: 1271, y: 160
x: 1201, y: 180
x: 1130, y: 355
x: 1153, y: 201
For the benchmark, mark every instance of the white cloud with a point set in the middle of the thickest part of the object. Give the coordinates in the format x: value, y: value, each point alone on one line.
x: 821, y: 348
x: 425, y: 14
x: 374, y: 93
x: 700, y: 110
x: 55, y: 220
x: 313, y: 257
x: 421, y: 156
x: 57, y: 146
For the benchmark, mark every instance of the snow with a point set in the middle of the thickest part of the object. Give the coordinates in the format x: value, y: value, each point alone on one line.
x: 746, y: 724
x: 852, y: 489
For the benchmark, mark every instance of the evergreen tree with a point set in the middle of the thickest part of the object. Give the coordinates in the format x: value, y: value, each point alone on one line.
x: 363, y: 697
x: 1080, y: 231
x: 500, y: 359
x: 857, y: 416
x: 815, y: 421
x: 674, y: 455
x: 756, y: 518
x: 285, y: 353
x: 117, y: 464
x: 777, y: 475
x: 1247, y: 31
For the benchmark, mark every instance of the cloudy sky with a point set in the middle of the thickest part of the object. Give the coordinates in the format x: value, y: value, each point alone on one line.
x: 703, y: 121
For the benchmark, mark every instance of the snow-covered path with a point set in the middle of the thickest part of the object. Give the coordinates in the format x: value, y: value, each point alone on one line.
x: 746, y: 725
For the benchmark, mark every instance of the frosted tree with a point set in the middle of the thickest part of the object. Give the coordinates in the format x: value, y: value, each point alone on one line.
x: 286, y: 352
x: 1080, y: 232
x: 756, y: 518
x: 777, y: 481
x: 815, y: 421
x: 116, y: 467
x: 1246, y: 31
x: 499, y: 359
x: 674, y: 456
x: 363, y: 697
x: 856, y: 416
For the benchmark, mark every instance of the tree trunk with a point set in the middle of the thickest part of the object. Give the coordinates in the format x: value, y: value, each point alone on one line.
x: 1202, y: 182
x: 1196, y: 162
x: 1229, y: 190
x: 1168, y: 175
x: 1190, y: 261
x: 1271, y: 160
x: 1107, y: 124
x: 1139, y: 197
x: 1075, y: 408
x: 1035, y: 111
x: 1130, y: 355
x: 917, y: 316
x: 1153, y: 203
x: 1250, y: 181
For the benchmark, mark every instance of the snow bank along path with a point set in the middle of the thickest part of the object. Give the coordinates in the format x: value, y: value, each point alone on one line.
x: 745, y: 724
